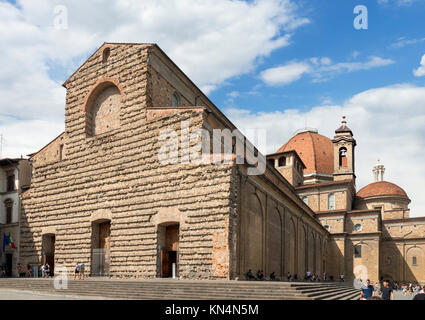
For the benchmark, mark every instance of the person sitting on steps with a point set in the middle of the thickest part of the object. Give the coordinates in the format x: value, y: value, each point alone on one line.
x: 249, y: 275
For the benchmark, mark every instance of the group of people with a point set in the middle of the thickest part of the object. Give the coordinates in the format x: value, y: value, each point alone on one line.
x: 79, y: 271
x: 385, y: 291
x: 289, y: 277
x: 411, y: 289
x: 260, y: 276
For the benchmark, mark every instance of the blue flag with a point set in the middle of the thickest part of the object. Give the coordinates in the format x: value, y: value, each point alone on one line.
x: 5, y: 242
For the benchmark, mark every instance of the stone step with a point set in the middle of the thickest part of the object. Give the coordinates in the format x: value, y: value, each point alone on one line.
x: 187, y: 290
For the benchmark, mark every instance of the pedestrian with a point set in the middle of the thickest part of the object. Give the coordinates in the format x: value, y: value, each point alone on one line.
x: 367, y: 291
x: 386, y: 291
x: 47, y: 270
x: 82, y: 266
x: 77, y: 270
x: 29, y: 271
x: 341, y: 278
x: 288, y: 276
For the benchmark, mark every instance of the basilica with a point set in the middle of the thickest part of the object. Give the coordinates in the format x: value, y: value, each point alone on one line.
x: 100, y: 196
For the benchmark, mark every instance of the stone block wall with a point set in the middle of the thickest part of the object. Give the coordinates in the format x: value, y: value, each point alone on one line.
x: 116, y: 176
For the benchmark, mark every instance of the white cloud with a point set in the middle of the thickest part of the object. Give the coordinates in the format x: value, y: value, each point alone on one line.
x: 420, y: 72
x: 285, y: 74
x: 388, y: 124
x: 211, y: 40
x: 402, y: 42
x: 397, y: 2
x: 321, y: 69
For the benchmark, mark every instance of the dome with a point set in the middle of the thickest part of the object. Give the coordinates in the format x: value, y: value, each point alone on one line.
x: 381, y: 188
x: 315, y: 150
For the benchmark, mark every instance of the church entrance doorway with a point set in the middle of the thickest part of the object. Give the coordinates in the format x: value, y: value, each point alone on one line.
x: 101, y: 247
x: 169, y: 248
x: 49, y: 252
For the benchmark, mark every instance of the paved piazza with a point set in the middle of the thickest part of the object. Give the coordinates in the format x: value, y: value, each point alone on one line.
x: 28, y: 295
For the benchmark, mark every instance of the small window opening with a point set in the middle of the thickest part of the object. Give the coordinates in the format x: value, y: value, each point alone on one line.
x: 358, y: 251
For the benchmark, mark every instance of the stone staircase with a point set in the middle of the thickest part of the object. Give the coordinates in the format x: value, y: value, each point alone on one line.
x: 187, y: 290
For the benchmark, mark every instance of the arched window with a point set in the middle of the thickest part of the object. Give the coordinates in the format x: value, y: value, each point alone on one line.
x: 358, y: 251
x: 106, y: 55
x: 282, y: 161
x: 103, y: 108
x: 343, y: 157
x: 175, y: 100
x: 331, y: 202
x: 8, y: 204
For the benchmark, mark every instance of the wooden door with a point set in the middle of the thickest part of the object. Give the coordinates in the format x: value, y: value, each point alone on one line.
x: 165, y: 264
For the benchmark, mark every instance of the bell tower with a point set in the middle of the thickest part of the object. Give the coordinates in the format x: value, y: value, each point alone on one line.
x: 344, y: 145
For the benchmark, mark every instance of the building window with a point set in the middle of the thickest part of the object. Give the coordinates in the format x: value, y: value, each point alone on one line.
x: 106, y: 55
x: 282, y: 161
x: 414, y: 261
x: 9, y: 211
x: 305, y: 200
x: 358, y: 227
x: 343, y: 157
x: 358, y: 251
x: 175, y: 100
x: 11, y: 183
x: 61, y: 152
x: 331, y: 202
x: 328, y: 228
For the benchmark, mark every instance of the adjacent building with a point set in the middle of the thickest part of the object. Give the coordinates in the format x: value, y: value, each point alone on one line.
x: 15, y: 177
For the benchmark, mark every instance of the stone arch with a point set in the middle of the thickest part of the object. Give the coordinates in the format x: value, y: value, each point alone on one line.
x: 318, y: 255
x: 274, y: 241
x: 390, y: 263
x: 413, y: 271
x: 290, y: 248
x: 302, y: 250
x: 311, y: 252
x: 101, y: 215
x: 253, y: 233
x: 102, y: 107
x: 168, y: 215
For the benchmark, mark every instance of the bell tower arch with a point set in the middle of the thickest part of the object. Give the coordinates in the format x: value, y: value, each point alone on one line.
x: 344, y: 153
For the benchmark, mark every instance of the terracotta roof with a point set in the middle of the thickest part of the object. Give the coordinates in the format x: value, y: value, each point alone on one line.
x: 315, y: 150
x: 381, y: 188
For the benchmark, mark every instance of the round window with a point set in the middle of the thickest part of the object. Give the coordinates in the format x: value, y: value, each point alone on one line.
x: 358, y: 227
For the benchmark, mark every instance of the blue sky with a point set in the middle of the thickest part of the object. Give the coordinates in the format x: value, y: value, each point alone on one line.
x: 331, y: 34
x: 269, y: 64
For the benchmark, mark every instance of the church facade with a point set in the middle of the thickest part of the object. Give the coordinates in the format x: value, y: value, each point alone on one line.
x: 101, y: 196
